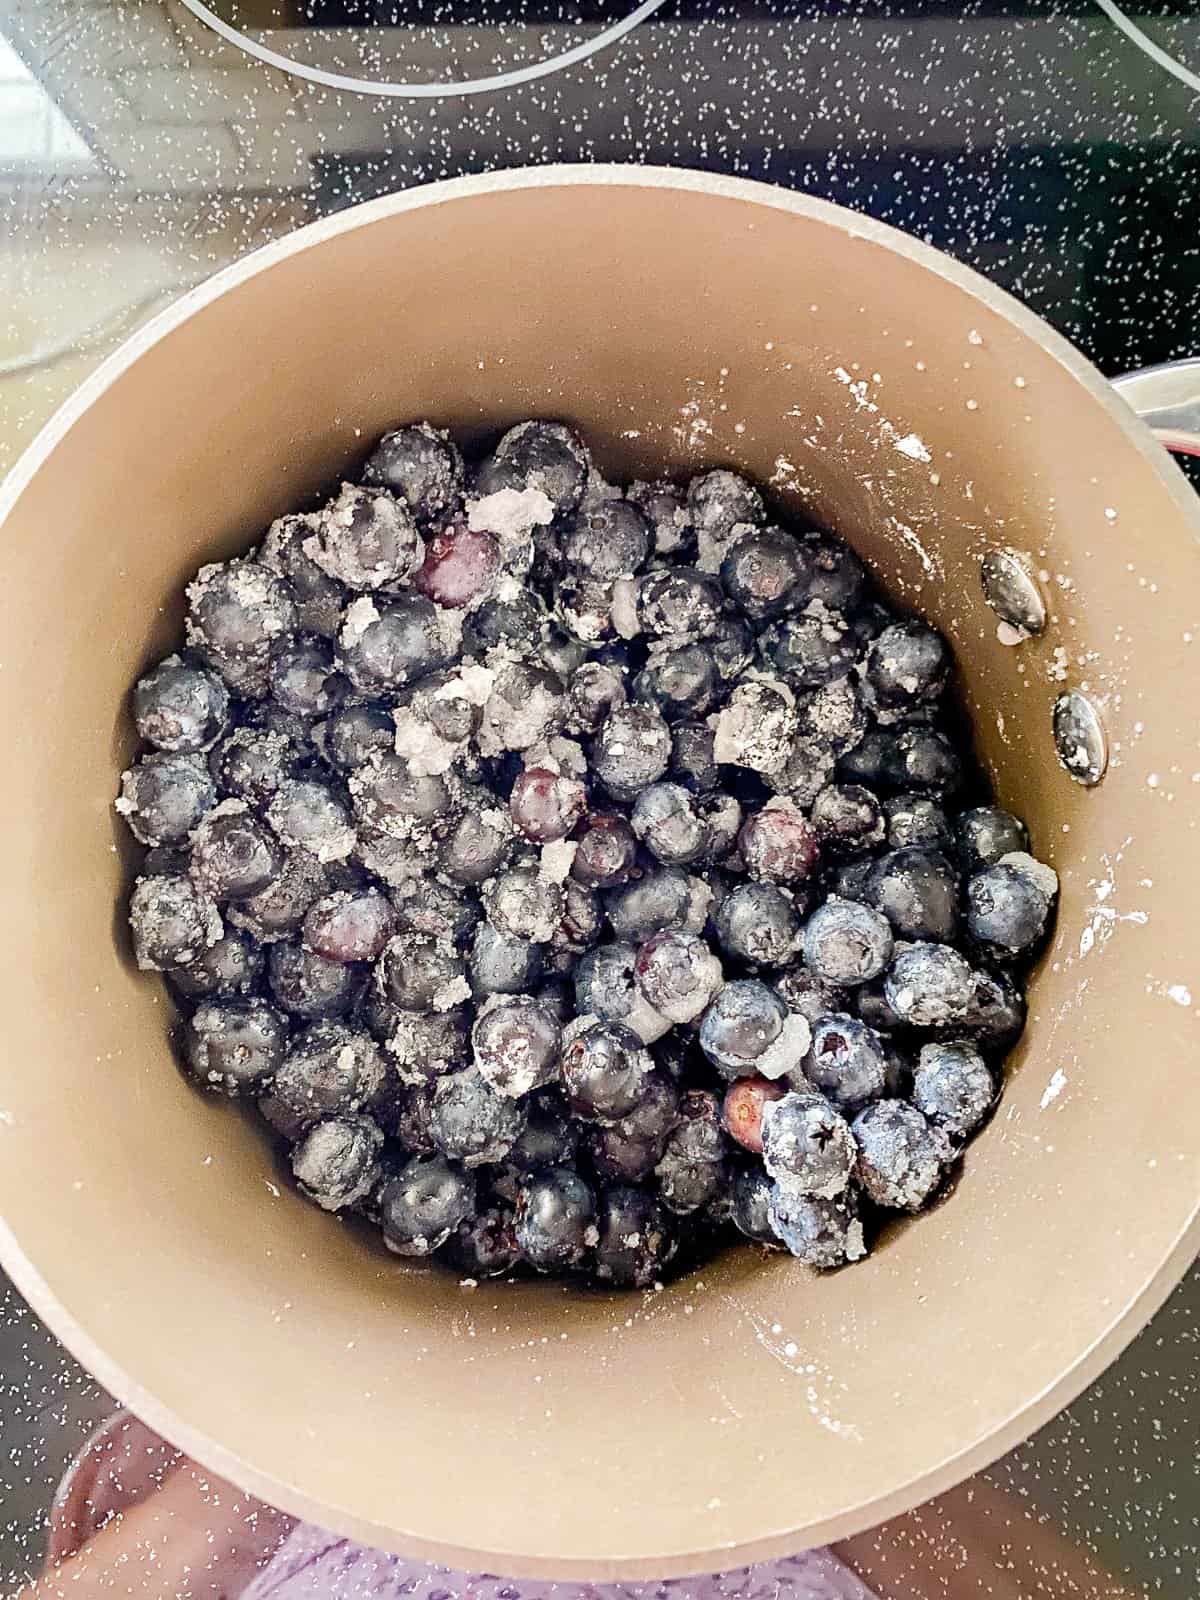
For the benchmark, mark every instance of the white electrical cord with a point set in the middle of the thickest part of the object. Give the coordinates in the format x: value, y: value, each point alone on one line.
x: 426, y: 91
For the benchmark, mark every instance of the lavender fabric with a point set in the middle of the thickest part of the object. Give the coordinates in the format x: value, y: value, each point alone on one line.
x: 314, y: 1565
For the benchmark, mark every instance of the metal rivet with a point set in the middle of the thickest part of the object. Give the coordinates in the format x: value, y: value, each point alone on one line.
x: 1011, y: 592
x: 1079, y: 737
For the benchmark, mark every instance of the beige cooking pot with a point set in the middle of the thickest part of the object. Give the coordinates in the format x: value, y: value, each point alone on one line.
x: 680, y: 320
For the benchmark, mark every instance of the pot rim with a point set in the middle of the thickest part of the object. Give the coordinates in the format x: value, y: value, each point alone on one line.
x: 1040, y: 1407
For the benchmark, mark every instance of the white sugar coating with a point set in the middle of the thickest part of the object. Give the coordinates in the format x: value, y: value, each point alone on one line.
x: 450, y: 629
x: 427, y: 753
x: 712, y: 548
x: 495, y: 819
x: 471, y: 682
x: 644, y: 1020
x: 699, y: 904
x: 785, y: 1056
x: 231, y: 807
x: 122, y: 803
x: 511, y: 514
x: 454, y: 992
x: 755, y: 729
x: 509, y: 726
x: 556, y: 859
x: 624, y: 608
x: 1038, y: 872
x: 358, y: 616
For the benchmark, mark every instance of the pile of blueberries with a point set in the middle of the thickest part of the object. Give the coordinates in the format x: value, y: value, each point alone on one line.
x: 571, y: 875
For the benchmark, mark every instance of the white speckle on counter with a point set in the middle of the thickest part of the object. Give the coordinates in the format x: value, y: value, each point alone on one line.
x: 1058, y: 1082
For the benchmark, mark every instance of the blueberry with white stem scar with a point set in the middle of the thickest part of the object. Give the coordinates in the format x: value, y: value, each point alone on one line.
x: 471, y: 1122
x: 847, y: 943
x: 180, y: 707
x: 234, y: 1046
x: 172, y: 921
x: 1006, y: 909
x: 336, y: 1163
x: 929, y: 984
x: 900, y: 1157
x: 822, y: 1233
x: 665, y: 820
x: 847, y: 1062
x: 678, y: 974
x: 331, y: 1069
x: 366, y: 538
x: 953, y: 1086
x: 807, y: 1146
x: 420, y: 465
x: 757, y: 923
x: 603, y: 1067
x: 422, y: 1206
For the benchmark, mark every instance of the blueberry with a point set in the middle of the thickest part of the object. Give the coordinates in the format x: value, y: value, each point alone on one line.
x: 1006, y: 909
x: 556, y: 1220
x: 927, y: 760
x: 929, y: 984
x: 388, y: 795
x: 822, y: 1233
x: 180, y: 707
x: 546, y: 805
x: 561, y: 655
x: 678, y: 604
x: 230, y: 966
x: 664, y: 508
x: 500, y: 963
x: 678, y: 974
x: 422, y: 1206
x: 778, y: 844
x: 693, y: 764
x: 527, y: 705
x: 807, y: 1146
x: 620, y: 1157
x: 665, y: 821
x: 757, y: 726
x: 603, y: 1068
x: 907, y: 664
x: 420, y: 465
x: 366, y: 538
x: 477, y: 845
x: 471, y: 1122
x: 234, y: 855
x: 385, y: 644
x: 722, y: 818
x: 549, y: 1138
x: 423, y: 1045
x: 236, y: 611
x: 900, y: 1158
x: 952, y: 1086
x: 164, y: 797
x: 523, y: 904
x: 234, y: 1046
x: 666, y: 898
x: 593, y: 690
x: 995, y: 1014
x: 606, y: 987
x: 847, y: 943
x: 609, y: 540
x: 302, y: 676
x: 656, y: 1114
x: 410, y: 1119
x: 280, y: 908
x: 547, y: 456
x: 516, y: 1043
x: 485, y: 1246
x: 582, y: 919
x: 347, y: 739
x: 731, y: 641
x: 807, y: 770
x: 307, y: 985
x: 809, y: 996
x: 172, y: 921
x: 748, y: 1029
x: 680, y: 681
x: 350, y: 924
x: 742, y: 1111
x: 692, y: 1167
x: 719, y: 504
x: 835, y: 575
x: 636, y: 1238
x: 916, y: 889
x: 764, y: 574
x: 309, y: 813
x: 251, y: 763
x: 985, y: 833
x: 812, y: 649
x: 514, y: 624
x: 750, y: 1198
x: 319, y: 598
x: 461, y: 567
x: 848, y: 819
x: 832, y: 716
x: 631, y: 750
x: 336, y: 1163
x: 847, y: 1062
x: 606, y: 852
x: 871, y: 1005
x: 915, y: 819
x: 874, y: 762
x: 421, y: 973
x: 330, y: 1070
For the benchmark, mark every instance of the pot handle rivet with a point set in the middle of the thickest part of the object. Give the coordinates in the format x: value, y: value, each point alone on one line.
x: 1011, y: 592
x: 1079, y: 738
